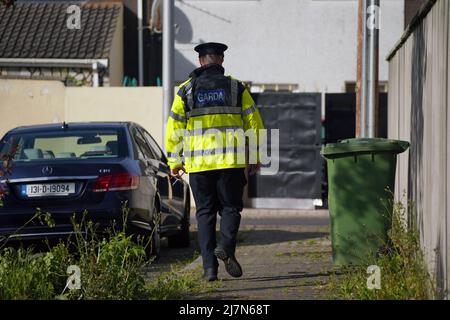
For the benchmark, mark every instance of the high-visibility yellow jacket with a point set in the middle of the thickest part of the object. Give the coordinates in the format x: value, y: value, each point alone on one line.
x: 211, y: 119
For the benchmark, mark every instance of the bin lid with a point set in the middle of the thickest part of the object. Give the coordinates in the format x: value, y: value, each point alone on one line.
x: 358, y: 145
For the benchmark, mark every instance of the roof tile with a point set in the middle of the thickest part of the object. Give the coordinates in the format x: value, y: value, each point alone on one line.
x: 39, y: 30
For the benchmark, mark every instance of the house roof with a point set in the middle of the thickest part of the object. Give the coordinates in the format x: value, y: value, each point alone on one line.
x: 38, y: 30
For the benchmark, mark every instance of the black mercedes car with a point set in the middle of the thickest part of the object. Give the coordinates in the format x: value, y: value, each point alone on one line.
x: 96, y: 168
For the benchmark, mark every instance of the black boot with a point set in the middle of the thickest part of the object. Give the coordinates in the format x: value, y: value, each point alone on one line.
x: 231, y: 264
x: 210, y: 274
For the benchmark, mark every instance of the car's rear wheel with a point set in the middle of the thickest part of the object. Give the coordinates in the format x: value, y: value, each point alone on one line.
x: 182, y: 239
x: 153, y: 247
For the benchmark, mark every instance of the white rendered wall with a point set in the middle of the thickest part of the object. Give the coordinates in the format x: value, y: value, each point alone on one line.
x: 311, y: 43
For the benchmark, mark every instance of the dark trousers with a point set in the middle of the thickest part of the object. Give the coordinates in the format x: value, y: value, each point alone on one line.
x: 217, y: 191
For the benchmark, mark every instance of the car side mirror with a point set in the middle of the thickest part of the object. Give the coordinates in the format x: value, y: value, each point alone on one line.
x: 163, y: 167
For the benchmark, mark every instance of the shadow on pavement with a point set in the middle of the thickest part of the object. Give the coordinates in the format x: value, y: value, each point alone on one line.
x: 261, y: 237
x: 245, y: 238
x: 266, y: 236
x: 171, y: 256
x: 290, y: 276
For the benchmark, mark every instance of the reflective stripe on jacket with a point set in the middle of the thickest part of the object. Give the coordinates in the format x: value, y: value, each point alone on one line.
x: 208, y: 123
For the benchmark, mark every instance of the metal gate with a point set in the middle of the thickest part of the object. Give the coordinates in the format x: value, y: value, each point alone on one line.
x: 298, y: 181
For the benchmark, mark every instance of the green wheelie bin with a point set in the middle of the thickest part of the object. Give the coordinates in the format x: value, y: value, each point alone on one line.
x: 361, y: 178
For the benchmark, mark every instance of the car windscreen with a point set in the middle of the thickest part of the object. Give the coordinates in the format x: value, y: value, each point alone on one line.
x: 65, y: 145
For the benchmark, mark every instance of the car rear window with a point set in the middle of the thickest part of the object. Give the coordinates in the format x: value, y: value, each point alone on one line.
x: 65, y: 145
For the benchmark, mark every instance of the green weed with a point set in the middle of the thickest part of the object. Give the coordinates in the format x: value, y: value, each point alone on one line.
x: 111, y: 265
x: 404, y: 274
x: 173, y: 286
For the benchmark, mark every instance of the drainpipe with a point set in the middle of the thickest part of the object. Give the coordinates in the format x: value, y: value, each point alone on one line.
x: 363, y: 89
x: 140, y: 16
x: 369, y: 73
x: 372, y: 71
x: 359, y: 68
x: 168, y: 51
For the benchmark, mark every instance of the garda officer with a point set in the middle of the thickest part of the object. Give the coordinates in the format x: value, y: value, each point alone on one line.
x: 201, y: 140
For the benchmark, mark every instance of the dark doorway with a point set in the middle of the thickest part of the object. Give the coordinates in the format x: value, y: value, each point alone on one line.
x: 340, y: 113
x: 297, y: 117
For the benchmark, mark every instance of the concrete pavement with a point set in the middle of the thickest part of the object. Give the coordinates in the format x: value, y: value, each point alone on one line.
x: 285, y: 254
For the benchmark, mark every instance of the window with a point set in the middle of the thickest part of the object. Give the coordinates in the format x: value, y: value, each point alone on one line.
x: 154, y: 146
x: 64, y: 145
x: 350, y: 86
x: 144, y: 148
x: 273, y: 87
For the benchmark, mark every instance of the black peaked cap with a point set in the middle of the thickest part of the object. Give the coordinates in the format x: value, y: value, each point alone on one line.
x: 210, y: 48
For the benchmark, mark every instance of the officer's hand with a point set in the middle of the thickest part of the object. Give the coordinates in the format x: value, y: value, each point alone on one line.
x: 178, y: 171
x: 253, y: 168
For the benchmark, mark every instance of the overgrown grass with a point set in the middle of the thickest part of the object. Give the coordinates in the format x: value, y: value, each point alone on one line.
x: 24, y: 275
x: 404, y: 274
x: 173, y: 286
x: 111, y: 267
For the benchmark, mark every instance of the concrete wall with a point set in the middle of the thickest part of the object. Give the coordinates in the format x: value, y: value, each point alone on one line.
x: 24, y: 102
x: 142, y: 105
x: 418, y: 112
x: 27, y: 102
x: 311, y: 43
